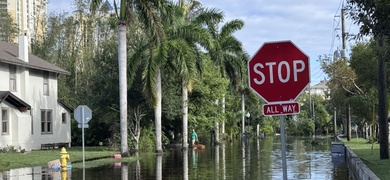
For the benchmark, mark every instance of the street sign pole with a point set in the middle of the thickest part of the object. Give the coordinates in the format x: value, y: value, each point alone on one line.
x: 83, y: 114
x: 279, y: 72
x: 283, y: 141
x: 82, y: 132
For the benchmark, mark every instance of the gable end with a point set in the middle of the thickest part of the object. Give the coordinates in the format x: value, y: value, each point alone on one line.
x: 14, y: 100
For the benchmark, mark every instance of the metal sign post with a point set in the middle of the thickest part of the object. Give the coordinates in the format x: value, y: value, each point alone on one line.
x: 83, y: 115
x: 82, y: 133
x: 283, y: 141
x: 276, y: 66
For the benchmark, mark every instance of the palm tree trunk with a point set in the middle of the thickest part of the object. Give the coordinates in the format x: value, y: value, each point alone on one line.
x: 243, y: 113
x: 348, y: 114
x: 122, y: 62
x: 382, y: 102
x: 223, y: 119
x: 159, y: 169
x: 185, y: 114
x: 216, y: 131
x: 157, y: 112
x: 125, y: 171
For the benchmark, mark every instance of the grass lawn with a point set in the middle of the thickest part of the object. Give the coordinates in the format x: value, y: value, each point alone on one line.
x: 369, y: 154
x: 11, y: 160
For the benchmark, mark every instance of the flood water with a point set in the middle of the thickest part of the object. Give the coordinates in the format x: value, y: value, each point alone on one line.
x: 250, y: 159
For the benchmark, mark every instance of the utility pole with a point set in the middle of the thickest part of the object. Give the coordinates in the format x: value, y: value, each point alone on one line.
x: 343, y: 36
x: 310, y: 111
x: 334, y: 121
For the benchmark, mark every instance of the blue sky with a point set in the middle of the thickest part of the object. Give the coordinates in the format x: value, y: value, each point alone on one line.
x: 313, y: 25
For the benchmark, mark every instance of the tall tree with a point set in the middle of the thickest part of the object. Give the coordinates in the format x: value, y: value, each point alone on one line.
x: 373, y: 18
x: 180, y: 49
x: 148, y: 13
x: 209, y: 87
x: 363, y: 57
x: 227, y: 53
x: 9, y: 28
x: 343, y: 86
x: 191, y: 37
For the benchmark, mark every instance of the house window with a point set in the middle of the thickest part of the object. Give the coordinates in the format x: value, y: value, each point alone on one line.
x: 12, y: 78
x: 4, y: 121
x: 46, y: 83
x: 63, y: 118
x: 46, y: 122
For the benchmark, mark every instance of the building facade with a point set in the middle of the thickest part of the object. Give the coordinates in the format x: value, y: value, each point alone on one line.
x: 31, y: 114
x: 321, y: 89
x: 28, y: 15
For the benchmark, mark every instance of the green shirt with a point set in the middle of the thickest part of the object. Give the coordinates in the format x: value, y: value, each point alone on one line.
x: 194, y: 135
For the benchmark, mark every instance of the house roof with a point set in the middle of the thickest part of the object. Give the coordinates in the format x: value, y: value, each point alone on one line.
x: 321, y: 85
x: 107, y: 5
x: 14, y: 100
x: 9, y: 54
x: 66, y: 106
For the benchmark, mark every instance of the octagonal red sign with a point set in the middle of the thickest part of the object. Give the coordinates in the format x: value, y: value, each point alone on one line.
x: 279, y: 71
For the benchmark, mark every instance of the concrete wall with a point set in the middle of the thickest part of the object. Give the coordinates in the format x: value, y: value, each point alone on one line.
x: 356, y: 166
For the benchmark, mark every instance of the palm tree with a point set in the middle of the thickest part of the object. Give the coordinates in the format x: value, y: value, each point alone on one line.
x: 228, y: 54
x: 190, y: 35
x: 180, y: 49
x: 148, y: 13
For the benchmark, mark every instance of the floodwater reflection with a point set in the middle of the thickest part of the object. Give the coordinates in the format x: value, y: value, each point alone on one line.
x: 37, y: 172
x: 253, y: 159
x: 185, y: 164
x: 159, y: 166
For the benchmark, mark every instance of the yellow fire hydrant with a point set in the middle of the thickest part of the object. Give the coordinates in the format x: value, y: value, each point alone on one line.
x: 64, y: 158
x: 64, y: 175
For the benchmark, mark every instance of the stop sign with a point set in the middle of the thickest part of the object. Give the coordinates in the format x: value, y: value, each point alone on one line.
x: 279, y: 71
x: 82, y: 113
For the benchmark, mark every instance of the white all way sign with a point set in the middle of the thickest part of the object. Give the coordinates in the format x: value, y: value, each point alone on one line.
x: 281, y: 108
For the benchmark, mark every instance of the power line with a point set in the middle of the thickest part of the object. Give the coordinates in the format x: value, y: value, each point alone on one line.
x: 318, y: 71
x: 334, y: 28
x: 338, y: 9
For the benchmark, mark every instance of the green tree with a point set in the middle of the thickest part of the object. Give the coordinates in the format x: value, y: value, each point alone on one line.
x: 227, y: 53
x: 188, y: 37
x: 372, y: 16
x: 9, y: 29
x: 204, y: 105
x: 148, y: 13
x: 70, y: 43
x: 363, y: 57
x: 304, y: 121
x: 343, y: 85
x: 321, y: 116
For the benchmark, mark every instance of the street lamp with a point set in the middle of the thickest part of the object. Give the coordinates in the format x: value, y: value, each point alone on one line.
x: 248, y: 115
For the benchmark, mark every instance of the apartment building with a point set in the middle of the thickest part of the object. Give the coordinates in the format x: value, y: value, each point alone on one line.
x: 28, y: 15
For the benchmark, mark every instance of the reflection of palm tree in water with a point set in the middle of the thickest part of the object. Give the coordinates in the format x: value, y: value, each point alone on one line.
x: 194, y: 158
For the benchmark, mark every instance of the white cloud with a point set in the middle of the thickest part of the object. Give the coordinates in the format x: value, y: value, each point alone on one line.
x: 60, y: 6
x: 308, y: 23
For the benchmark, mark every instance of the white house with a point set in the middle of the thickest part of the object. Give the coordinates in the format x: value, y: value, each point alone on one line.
x: 31, y: 114
x: 321, y: 88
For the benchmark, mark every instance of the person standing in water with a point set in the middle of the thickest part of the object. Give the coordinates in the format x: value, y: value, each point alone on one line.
x: 194, y: 137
